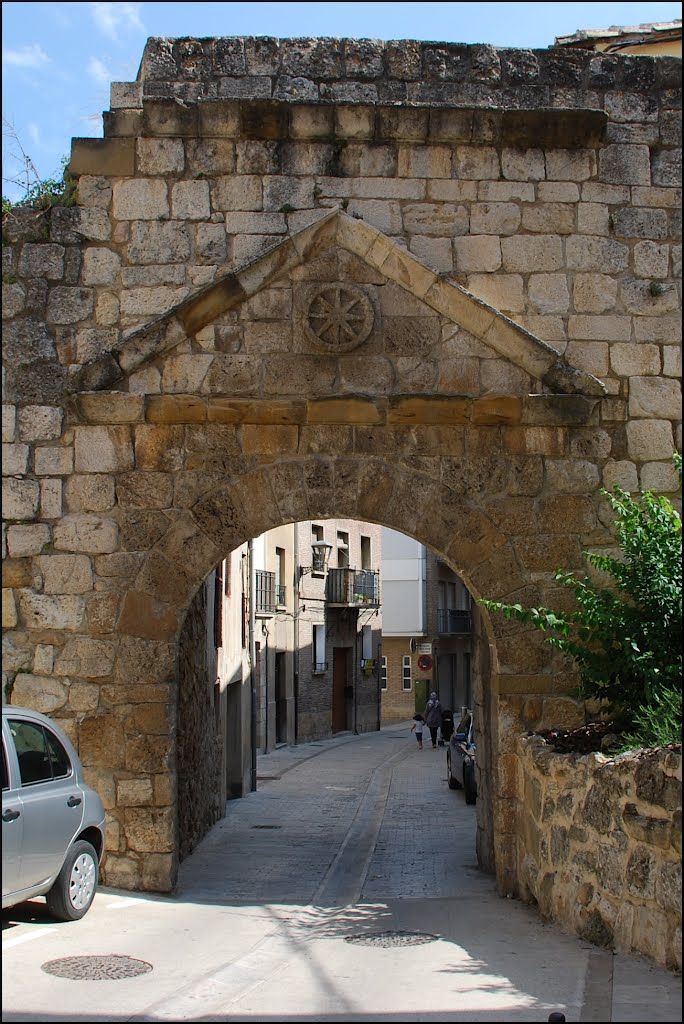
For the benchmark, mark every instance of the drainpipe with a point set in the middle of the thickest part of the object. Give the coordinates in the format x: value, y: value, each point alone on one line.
x: 252, y: 661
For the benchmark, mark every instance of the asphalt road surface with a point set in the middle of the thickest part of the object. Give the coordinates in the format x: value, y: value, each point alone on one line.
x: 345, y: 889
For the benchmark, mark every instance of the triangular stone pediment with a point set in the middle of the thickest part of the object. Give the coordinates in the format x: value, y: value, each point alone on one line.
x: 339, y: 313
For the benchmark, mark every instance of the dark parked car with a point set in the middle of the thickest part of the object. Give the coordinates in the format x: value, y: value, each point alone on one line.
x: 461, y: 759
x: 53, y: 825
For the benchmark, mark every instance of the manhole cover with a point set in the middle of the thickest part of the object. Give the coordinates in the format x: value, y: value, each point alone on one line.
x: 96, y: 968
x: 387, y: 939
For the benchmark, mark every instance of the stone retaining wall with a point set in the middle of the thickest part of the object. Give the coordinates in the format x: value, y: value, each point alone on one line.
x: 601, y: 845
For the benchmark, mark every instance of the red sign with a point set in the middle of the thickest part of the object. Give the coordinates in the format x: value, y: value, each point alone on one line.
x: 425, y: 662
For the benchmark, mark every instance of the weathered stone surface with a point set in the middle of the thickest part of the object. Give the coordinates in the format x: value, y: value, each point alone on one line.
x: 47, y: 612
x: 42, y: 693
x: 85, y: 531
x: 65, y: 574
x: 102, y: 449
x: 86, y: 658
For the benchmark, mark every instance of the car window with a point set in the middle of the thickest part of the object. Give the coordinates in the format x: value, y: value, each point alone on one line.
x: 464, y: 724
x: 40, y: 754
x: 5, y: 771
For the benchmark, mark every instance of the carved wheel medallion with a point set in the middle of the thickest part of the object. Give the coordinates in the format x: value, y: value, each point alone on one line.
x: 339, y: 317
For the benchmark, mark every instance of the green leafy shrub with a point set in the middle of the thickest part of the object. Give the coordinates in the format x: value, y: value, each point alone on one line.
x: 626, y: 638
x: 41, y: 195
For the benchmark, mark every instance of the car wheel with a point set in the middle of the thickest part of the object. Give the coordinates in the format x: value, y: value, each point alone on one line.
x: 453, y: 783
x: 74, y: 889
x: 469, y: 784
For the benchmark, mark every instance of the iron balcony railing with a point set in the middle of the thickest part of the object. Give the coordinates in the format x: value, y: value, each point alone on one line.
x: 264, y: 592
x: 453, y: 620
x: 354, y: 588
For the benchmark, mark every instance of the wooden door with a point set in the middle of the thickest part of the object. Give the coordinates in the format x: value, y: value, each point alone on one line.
x: 339, y: 694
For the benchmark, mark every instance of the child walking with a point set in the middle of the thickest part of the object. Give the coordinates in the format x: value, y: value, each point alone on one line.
x: 417, y: 727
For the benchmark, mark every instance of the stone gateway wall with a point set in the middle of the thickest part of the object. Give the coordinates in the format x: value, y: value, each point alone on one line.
x: 602, y: 846
x: 428, y: 286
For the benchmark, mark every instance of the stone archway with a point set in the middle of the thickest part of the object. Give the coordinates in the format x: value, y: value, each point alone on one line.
x: 483, y: 479
x: 160, y: 411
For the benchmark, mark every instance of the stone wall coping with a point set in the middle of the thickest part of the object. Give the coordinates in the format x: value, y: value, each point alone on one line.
x: 395, y: 71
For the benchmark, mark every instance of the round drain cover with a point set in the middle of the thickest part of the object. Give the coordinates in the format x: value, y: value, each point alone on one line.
x: 96, y: 968
x: 387, y: 939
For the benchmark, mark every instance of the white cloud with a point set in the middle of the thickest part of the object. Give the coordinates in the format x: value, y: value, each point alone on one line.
x: 27, y: 57
x: 111, y: 17
x: 97, y: 70
x: 34, y: 133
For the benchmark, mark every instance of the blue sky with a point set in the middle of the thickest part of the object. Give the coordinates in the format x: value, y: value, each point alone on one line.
x: 58, y: 59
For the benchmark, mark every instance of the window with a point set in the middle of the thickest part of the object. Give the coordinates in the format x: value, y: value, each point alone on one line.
x: 41, y: 756
x: 317, y: 555
x: 365, y: 552
x: 280, y: 576
x: 218, y: 606
x: 367, y: 643
x: 264, y: 583
x: 383, y: 674
x: 342, y: 550
x: 406, y: 672
x: 319, y: 662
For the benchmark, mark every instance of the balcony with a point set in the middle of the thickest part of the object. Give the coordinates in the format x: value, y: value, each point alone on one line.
x: 353, y: 588
x: 453, y: 620
x: 264, y: 592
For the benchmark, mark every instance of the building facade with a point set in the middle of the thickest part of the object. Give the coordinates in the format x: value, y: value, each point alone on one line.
x: 427, y: 626
x: 280, y: 645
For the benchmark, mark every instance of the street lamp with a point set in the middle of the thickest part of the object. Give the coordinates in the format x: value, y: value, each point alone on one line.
x: 320, y: 555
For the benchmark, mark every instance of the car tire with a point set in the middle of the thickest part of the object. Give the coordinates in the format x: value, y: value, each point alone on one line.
x: 74, y: 889
x: 469, y: 785
x: 453, y: 783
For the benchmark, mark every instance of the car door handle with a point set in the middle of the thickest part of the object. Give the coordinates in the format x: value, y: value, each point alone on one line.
x: 73, y: 801
x: 10, y: 814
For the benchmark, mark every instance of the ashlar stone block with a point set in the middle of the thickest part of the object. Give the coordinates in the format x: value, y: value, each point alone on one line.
x: 649, y: 440
x: 86, y: 658
x: 478, y: 253
x: 100, y: 449
x: 23, y: 541
x: 526, y: 253
x: 651, y: 260
x: 85, y: 531
x: 190, y: 200
x: 20, y: 498
x: 140, y: 199
x: 548, y: 293
x: 65, y: 574
x: 42, y: 693
x: 43, y: 611
x: 494, y: 218
x: 630, y: 360
x: 160, y: 156
x: 655, y: 397
x: 100, y: 266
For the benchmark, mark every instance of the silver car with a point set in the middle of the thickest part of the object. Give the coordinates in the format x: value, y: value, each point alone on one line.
x: 461, y: 754
x: 53, y: 825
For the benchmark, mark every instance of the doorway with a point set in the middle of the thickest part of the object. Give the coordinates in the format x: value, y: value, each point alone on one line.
x: 280, y: 699
x: 341, y: 690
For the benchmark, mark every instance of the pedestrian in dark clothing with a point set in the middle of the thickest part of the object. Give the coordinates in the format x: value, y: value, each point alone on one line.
x: 433, y: 717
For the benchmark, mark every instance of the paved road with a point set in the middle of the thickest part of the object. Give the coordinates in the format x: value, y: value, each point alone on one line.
x: 306, y: 903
